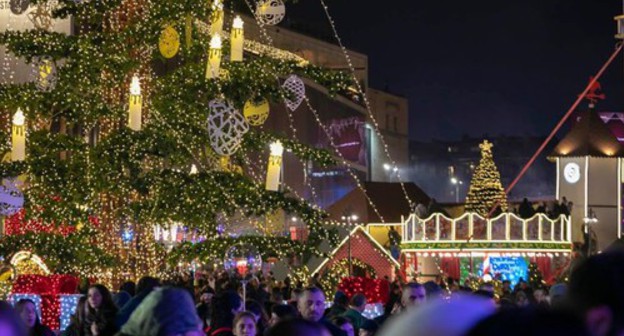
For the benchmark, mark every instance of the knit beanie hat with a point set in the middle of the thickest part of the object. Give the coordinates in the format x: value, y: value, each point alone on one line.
x: 165, y: 311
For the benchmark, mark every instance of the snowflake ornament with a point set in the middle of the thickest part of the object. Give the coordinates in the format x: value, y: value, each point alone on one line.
x: 226, y: 127
x: 295, y: 89
x: 270, y: 12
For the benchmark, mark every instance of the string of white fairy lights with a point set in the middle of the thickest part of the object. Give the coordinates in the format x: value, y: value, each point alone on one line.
x: 319, y: 122
x: 148, y: 74
x: 323, y: 127
x: 291, y: 124
x: 8, y: 70
x: 190, y: 151
x: 368, y: 109
x: 366, y: 102
x: 271, y: 51
x: 342, y: 158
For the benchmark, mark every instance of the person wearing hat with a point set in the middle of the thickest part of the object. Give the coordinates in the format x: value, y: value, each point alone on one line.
x: 164, y: 312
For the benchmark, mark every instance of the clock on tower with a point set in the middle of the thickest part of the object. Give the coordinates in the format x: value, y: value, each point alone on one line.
x: 572, y: 172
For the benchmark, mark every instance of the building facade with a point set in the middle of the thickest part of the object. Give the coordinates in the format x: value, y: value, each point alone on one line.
x: 391, y: 114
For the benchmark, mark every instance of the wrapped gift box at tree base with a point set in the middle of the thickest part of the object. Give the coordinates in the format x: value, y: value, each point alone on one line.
x: 48, y: 292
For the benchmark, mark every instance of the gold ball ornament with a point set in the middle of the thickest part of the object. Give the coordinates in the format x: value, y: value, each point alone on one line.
x: 7, y: 273
x: 224, y: 163
x: 256, y: 114
x: 169, y: 42
x: 227, y: 166
x: 224, y: 74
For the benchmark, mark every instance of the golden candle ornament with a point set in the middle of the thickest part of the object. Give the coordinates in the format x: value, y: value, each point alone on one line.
x: 18, y: 138
x: 214, y: 58
x: 136, y: 104
x: 237, y: 37
x: 216, y: 18
x: 188, y: 31
x: 274, y: 169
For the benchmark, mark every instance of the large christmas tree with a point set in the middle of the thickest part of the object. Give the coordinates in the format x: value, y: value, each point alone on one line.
x: 136, y: 121
x: 486, y: 190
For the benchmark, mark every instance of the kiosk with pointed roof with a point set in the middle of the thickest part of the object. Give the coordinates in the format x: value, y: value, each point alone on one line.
x: 589, y: 174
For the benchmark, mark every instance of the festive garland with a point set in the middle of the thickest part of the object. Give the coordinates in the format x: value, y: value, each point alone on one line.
x: 71, y: 254
x: 256, y: 141
x: 431, y: 247
x: 213, y: 250
x: 340, y: 269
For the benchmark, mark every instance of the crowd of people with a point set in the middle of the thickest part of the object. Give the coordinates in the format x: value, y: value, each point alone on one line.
x: 591, y: 303
x: 552, y: 209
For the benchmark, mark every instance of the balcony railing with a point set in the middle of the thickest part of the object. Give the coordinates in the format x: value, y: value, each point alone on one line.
x: 471, y: 227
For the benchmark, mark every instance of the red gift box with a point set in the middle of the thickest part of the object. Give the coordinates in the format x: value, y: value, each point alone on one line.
x: 48, y: 288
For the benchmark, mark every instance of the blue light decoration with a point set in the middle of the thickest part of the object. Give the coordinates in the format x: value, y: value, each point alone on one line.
x: 509, y: 268
x: 127, y: 235
x: 220, y: 229
x: 68, y: 302
x: 11, y: 197
x: 36, y: 298
x: 373, y: 310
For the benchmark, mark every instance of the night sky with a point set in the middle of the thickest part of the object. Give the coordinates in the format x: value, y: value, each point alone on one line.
x: 480, y: 67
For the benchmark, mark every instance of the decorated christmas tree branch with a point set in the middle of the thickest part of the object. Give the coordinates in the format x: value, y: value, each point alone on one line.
x: 213, y: 250
x: 257, y: 141
x: 75, y: 253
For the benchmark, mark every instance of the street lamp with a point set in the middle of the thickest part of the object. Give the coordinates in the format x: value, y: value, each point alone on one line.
x: 391, y: 169
x: 349, y: 218
x: 456, y: 182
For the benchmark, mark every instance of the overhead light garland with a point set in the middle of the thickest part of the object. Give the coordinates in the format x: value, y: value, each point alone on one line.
x: 362, y: 94
x: 346, y: 163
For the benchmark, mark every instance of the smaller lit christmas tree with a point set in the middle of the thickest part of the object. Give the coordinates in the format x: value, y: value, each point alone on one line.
x: 486, y: 190
x: 536, y: 279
